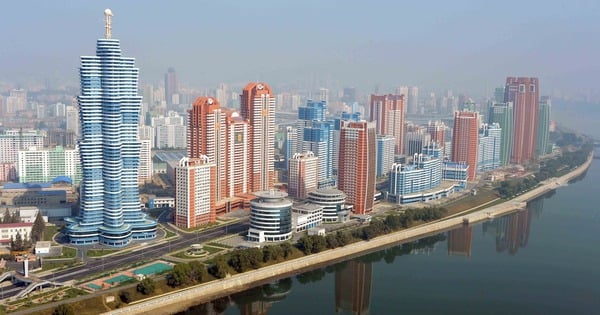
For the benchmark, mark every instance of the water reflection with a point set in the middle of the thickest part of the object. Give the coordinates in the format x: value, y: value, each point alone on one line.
x: 459, y: 241
x: 512, y: 231
x: 353, y: 288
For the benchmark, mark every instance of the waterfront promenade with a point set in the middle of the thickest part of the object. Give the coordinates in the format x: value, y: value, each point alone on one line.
x: 182, y: 299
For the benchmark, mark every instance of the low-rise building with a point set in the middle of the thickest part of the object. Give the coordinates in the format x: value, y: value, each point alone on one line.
x: 306, y: 216
x: 333, y: 202
x: 270, y: 217
x: 9, y: 231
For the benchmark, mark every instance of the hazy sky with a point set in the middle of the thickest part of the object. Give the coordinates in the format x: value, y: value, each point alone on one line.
x: 462, y: 45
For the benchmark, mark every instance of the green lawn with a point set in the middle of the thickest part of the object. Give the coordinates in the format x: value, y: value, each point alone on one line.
x: 49, y: 231
x: 470, y: 201
x: 169, y: 233
x: 68, y: 252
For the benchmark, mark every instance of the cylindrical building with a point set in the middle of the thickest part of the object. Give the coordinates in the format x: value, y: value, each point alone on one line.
x: 270, y: 217
x: 333, y: 202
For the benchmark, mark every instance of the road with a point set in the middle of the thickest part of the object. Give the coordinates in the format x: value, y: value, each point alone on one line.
x: 149, y: 252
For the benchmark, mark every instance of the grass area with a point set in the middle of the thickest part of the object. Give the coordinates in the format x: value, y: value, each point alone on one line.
x: 44, y: 298
x: 49, y: 231
x: 100, y: 252
x: 470, y: 201
x: 169, y: 233
x: 49, y: 265
x: 68, y: 252
x: 203, y: 227
x: 211, y: 250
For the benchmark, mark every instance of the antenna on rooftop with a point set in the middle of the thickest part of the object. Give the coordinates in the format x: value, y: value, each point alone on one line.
x: 107, y: 27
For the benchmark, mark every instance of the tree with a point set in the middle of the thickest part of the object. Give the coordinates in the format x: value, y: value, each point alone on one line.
x: 180, y: 275
x: 37, y: 230
x: 198, y: 271
x: 146, y: 286
x: 7, y: 217
x: 63, y: 309
x: 332, y: 241
x: 287, y: 249
x: 18, y: 244
x: 220, y: 268
x: 125, y: 296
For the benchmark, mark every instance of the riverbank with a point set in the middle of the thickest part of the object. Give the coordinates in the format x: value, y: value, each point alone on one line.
x: 182, y: 299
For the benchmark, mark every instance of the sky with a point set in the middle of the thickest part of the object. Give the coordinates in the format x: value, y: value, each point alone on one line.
x: 459, y: 45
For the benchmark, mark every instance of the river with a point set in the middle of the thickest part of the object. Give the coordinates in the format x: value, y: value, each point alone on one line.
x: 544, y: 260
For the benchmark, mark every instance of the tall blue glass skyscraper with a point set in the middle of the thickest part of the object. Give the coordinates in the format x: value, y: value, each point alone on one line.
x: 109, y: 149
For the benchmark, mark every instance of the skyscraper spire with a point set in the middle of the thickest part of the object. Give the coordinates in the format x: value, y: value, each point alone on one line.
x: 107, y: 19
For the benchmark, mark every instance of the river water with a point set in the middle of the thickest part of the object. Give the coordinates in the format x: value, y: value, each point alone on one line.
x: 544, y: 260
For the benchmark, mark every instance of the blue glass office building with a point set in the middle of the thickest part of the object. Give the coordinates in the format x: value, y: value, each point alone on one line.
x: 315, y: 134
x: 109, y: 148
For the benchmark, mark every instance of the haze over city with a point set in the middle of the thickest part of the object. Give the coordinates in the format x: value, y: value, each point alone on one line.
x: 466, y: 46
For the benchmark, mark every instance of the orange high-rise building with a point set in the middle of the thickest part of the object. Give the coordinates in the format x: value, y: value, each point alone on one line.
x: 258, y: 107
x: 237, y: 154
x: 207, y: 136
x: 437, y: 130
x: 194, y: 194
x: 388, y: 111
x: 464, y: 140
x: 357, y: 164
x: 523, y: 92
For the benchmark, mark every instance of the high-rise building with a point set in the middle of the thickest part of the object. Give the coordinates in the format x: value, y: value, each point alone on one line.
x: 109, y: 149
x: 16, y: 101
x: 543, y: 147
x: 194, y: 192
x: 169, y: 131
x: 502, y: 114
x: 357, y: 164
x: 38, y: 165
x: 524, y: 93
x: 303, y: 174
x: 387, y: 111
x: 315, y: 134
x: 258, y: 107
x: 408, y: 182
x: 324, y: 97
x: 349, y: 95
x: 289, y: 146
x: 412, y: 101
x: 14, y: 140
x: 437, y: 131
x: 207, y: 136
x: 415, y: 141
x: 171, y: 86
x: 72, y: 120
x: 464, y: 140
x: 499, y: 95
x: 145, y: 173
x: 490, y: 141
x: 385, y: 154
x: 237, y: 154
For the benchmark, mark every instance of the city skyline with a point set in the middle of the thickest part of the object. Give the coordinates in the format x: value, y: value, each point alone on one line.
x: 463, y: 45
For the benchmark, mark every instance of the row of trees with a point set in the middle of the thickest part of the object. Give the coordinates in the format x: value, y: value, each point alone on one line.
x: 195, y: 272
x: 311, y: 244
x: 549, y: 168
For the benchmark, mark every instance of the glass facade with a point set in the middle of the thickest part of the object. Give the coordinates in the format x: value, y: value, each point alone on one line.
x: 109, y: 149
x: 270, y: 217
